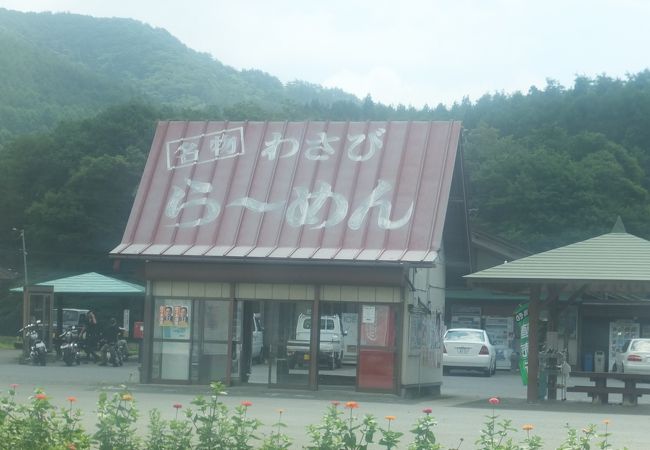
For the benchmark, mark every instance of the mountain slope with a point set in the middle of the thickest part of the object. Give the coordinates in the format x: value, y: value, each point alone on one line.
x: 60, y: 66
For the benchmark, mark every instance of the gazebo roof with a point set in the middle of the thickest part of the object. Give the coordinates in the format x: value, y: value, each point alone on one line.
x: 90, y: 282
x: 610, y: 260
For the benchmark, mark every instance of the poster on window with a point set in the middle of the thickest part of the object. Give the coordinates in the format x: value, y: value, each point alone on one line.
x: 379, y: 331
x: 174, y: 319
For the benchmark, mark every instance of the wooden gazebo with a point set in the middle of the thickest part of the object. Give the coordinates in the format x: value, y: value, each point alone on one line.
x: 613, y: 262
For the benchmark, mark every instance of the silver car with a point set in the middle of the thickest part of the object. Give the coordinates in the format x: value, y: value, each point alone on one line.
x: 468, y: 348
x: 634, y: 357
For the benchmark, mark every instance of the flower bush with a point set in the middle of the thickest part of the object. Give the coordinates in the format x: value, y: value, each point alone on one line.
x: 38, y: 424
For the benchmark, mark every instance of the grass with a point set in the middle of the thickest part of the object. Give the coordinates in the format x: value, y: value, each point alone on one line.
x: 7, y: 342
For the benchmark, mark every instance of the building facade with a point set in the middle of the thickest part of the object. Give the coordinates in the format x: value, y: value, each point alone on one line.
x: 247, y: 234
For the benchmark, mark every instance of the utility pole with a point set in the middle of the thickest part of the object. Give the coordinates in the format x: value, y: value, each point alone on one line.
x: 22, y: 236
x: 26, y: 306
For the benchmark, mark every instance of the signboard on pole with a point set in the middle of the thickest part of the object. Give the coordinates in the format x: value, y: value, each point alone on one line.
x: 521, y: 319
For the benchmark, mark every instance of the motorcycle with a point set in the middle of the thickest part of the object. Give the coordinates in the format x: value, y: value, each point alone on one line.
x: 110, y: 353
x: 122, y: 347
x: 70, y: 350
x: 37, y: 349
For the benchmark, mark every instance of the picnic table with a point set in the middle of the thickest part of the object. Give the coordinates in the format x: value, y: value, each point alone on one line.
x: 599, y: 391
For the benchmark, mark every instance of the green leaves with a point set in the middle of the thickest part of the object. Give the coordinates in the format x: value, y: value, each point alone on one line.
x: 553, y: 189
x: 116, y: 422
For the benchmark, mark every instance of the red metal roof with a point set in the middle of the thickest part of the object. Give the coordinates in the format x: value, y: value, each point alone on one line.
x: 363, y: 191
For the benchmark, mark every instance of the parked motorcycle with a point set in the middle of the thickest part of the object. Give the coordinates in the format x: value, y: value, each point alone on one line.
x: 122, y: 346
x: 37, y: 349
x: 110, y: 353
x: 70, y: 349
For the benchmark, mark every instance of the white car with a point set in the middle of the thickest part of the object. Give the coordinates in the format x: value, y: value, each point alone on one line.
x: 468, y: 348
x: 634, y: 357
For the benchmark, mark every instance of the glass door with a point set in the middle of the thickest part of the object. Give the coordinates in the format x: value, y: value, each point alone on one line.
x: 213, y: 356
x: 287, y: 329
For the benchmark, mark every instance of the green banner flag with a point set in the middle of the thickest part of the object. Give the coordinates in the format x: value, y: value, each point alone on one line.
x: 521, y: 319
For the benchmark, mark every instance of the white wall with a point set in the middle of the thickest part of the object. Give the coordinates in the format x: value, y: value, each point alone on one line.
x: 422, y: 343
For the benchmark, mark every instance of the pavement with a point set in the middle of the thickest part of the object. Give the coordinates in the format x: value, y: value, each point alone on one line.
x: 460, y: 411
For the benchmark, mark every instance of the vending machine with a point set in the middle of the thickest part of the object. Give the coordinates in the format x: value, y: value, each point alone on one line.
x: 465, y: 316
x: 501, y: 332
x: 619, y: 332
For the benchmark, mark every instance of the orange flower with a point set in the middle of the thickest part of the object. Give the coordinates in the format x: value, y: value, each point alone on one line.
x: 390, y: 418
x: 127, y: 397
x: 606, y: 422
x: 527, y: 427
x: 71, y: 447
x: 351, y: 405
x: 40, y: 396
x: 72, y: 399
x: 494, y: 400
x: 247, y: 403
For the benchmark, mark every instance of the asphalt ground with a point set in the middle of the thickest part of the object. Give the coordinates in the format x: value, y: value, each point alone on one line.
x: 460, y: 411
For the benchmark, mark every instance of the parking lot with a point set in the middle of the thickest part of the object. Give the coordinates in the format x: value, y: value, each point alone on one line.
x: 460, y: 410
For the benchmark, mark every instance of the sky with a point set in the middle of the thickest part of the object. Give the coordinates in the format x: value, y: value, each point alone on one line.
x: 413, y: 52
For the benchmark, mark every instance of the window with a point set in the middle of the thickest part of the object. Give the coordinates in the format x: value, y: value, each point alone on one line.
x: 465, y: 335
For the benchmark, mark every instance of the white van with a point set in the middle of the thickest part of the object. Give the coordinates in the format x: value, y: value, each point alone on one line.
x: 71, y: 317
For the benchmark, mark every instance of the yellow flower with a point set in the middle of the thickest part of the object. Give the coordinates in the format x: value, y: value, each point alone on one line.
x: 127, y: 397
x: 606, y: 422
x: 527, y: 427
x: 391, y: 418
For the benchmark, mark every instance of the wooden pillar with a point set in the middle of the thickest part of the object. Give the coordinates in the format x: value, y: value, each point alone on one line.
x: 315, y: 340
x: 146, y: 347
x: 533, y: 355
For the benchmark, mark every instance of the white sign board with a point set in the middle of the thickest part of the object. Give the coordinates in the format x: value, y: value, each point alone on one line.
x: 368, y: 314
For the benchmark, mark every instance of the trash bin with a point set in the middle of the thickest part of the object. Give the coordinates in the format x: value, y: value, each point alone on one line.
x: 599, y: 361
x: 588, y: 362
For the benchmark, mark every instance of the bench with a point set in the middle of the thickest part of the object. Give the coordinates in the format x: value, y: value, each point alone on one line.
x: 599, y: 391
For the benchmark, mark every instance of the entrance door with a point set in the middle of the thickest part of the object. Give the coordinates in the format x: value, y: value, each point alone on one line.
x: 287, y: 329
x: 213, y: 357
x: 377, y: 348
x: 338, y: 344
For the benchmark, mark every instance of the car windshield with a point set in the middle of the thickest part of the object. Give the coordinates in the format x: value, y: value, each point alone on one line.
x: 325, y: 324
x: 640, y: 346
x: 464, y: 335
